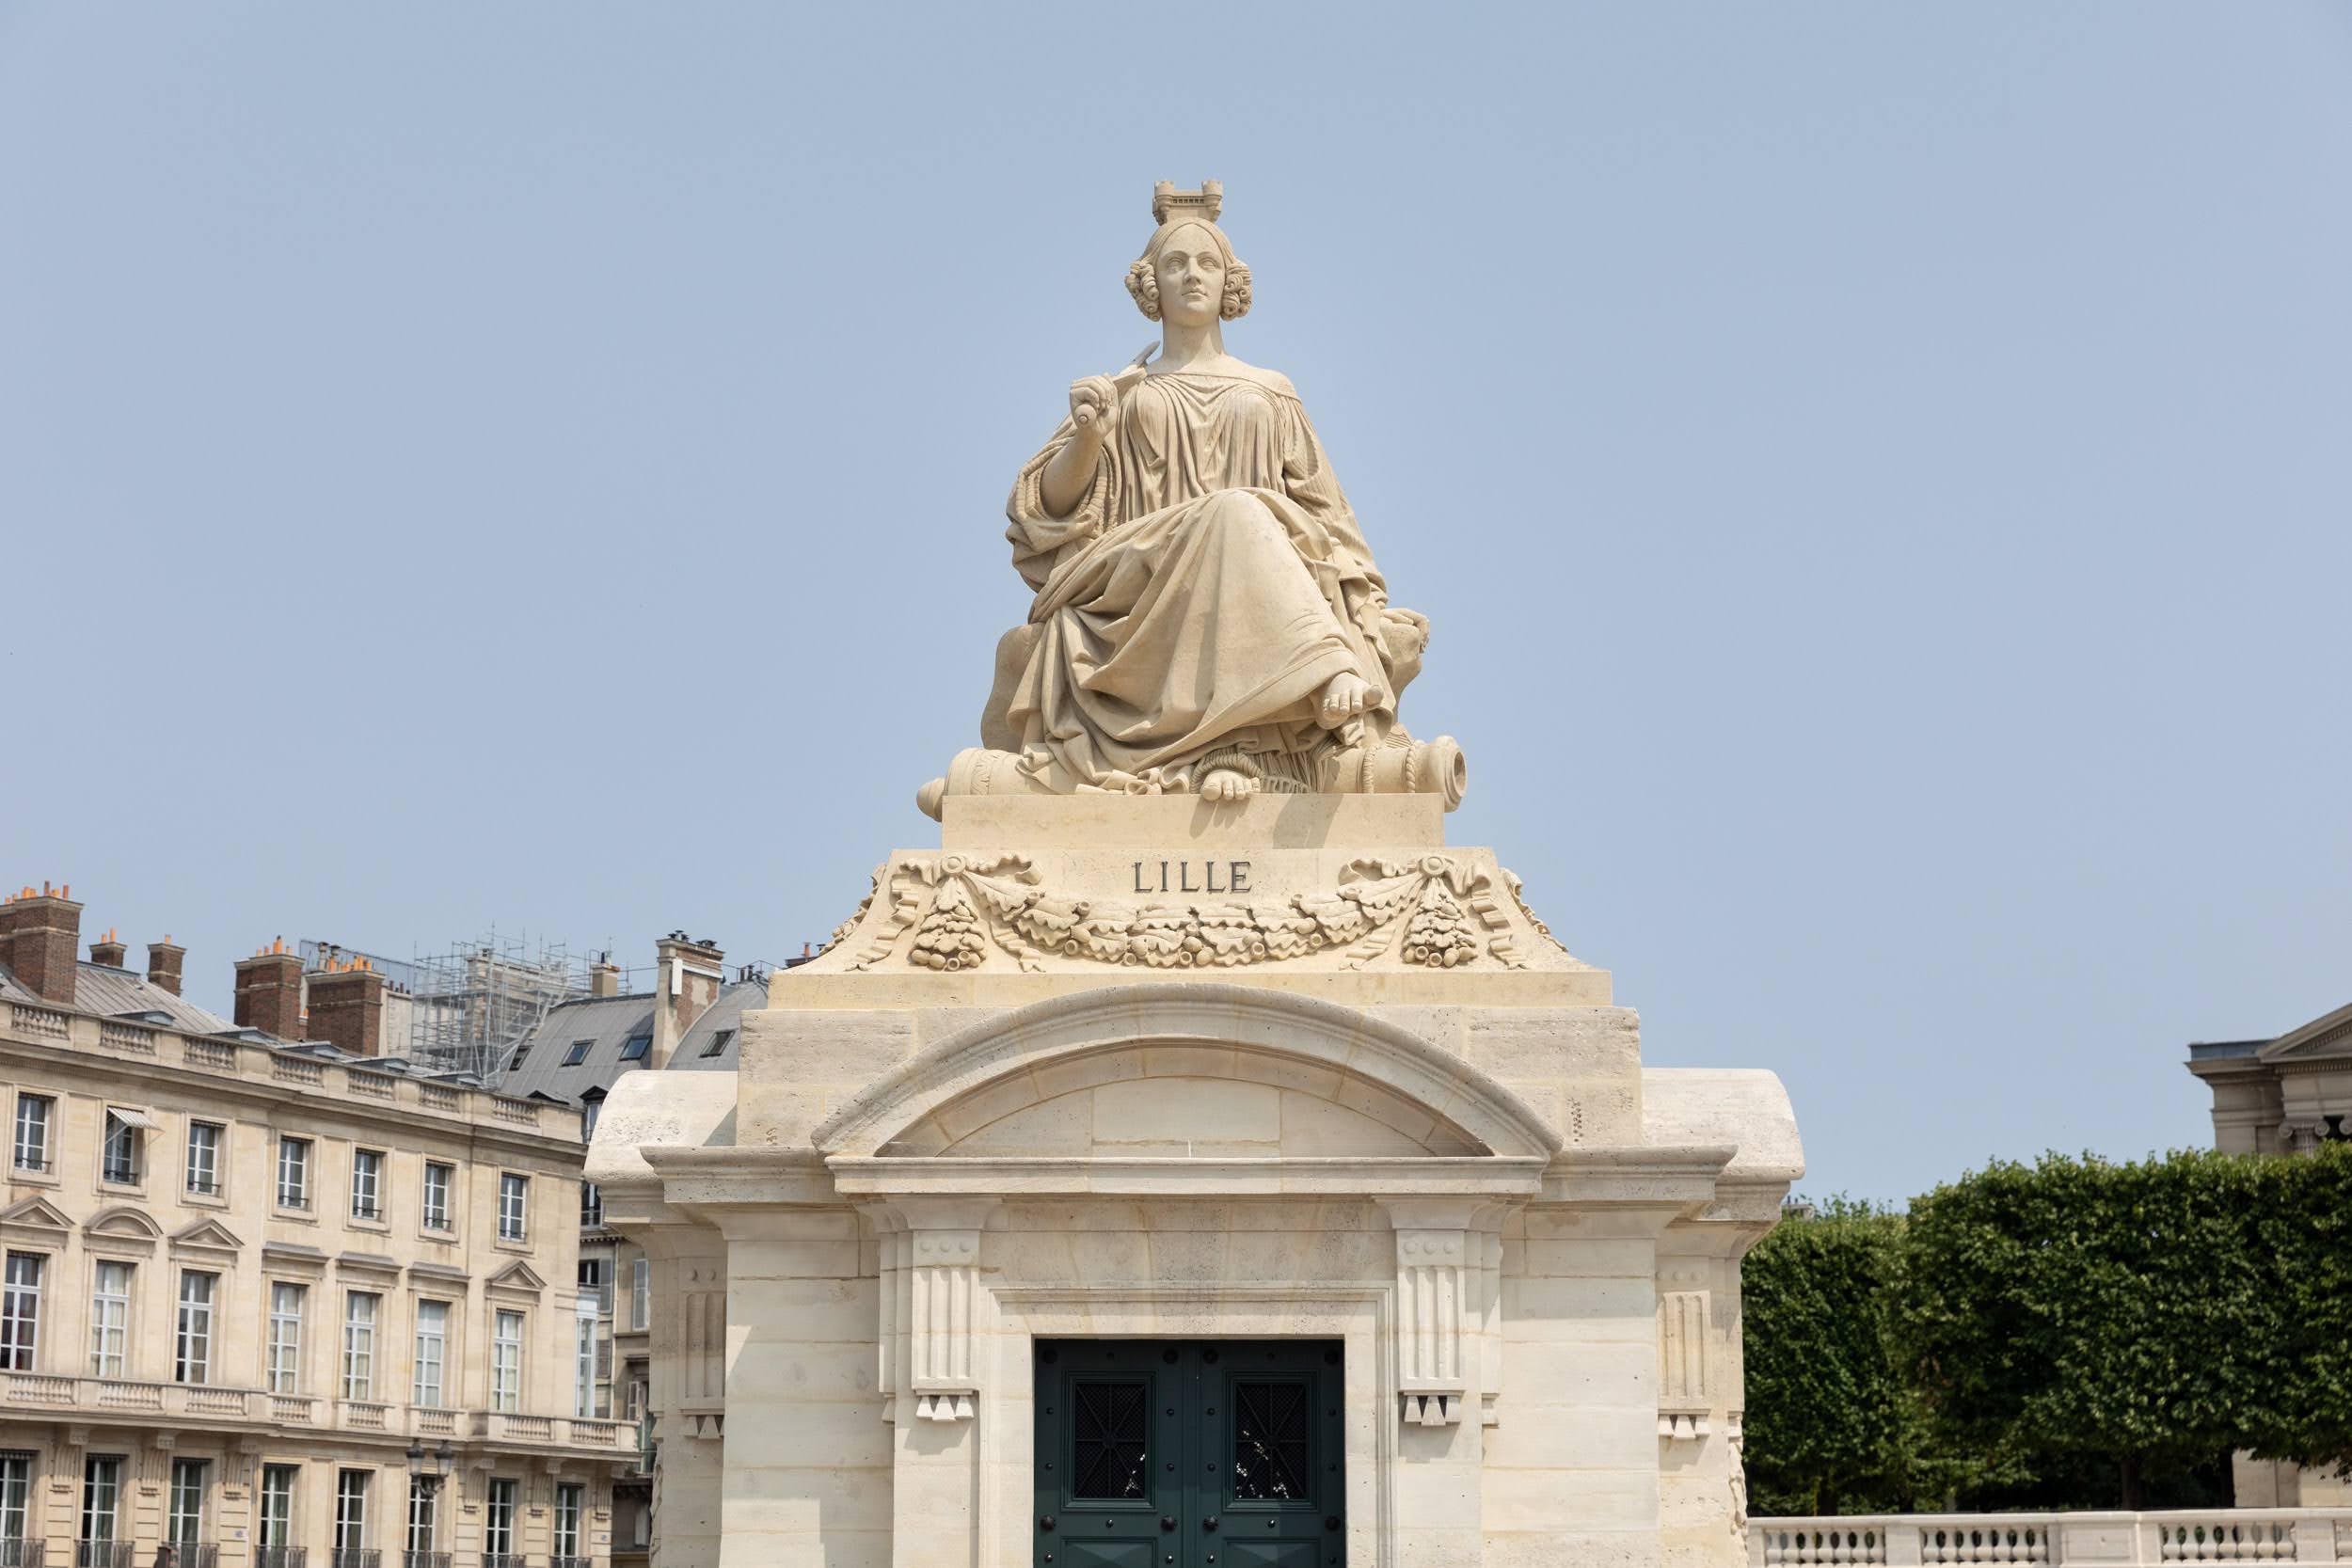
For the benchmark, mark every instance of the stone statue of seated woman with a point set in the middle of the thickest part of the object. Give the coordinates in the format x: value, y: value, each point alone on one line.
x: 1208, y: 617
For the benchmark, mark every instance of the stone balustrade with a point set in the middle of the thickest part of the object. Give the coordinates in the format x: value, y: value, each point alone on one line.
x: 2110, y: 1540
x: 113, y: 1039
x: 52, y: 1394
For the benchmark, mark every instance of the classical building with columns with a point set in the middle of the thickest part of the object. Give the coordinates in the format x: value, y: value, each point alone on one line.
x: 271, y: 1297
x: 1019, y: 1236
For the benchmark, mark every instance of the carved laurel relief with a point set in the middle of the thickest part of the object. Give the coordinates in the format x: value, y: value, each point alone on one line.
x: 1434, y: 911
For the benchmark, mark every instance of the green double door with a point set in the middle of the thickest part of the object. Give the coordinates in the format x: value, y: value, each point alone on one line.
x: 1212, y: 1453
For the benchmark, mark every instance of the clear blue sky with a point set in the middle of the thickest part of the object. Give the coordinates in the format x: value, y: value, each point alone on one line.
x: 1882, y: 477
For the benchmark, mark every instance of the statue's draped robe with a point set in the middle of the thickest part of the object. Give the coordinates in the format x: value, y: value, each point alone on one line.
x: 1201, y: 593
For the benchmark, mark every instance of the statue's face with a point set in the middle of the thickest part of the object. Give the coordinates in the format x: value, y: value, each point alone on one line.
x: 1191, y: 272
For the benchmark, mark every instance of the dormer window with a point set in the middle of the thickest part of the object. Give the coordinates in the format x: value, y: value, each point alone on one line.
x: 719, y: 1043
x: 635, y: 1047
x: 578, y: 1053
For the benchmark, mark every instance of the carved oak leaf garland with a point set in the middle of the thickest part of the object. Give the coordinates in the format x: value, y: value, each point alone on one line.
x: 961, y: 905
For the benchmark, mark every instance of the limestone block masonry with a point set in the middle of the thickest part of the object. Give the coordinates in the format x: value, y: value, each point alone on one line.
x: 1179, y: 1074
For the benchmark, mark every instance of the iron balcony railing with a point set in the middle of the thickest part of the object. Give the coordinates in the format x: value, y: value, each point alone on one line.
x: 503, y: 1559
x: 355, y: 1557
x: 281, y: 1557
x: 105, y: 1554
x: 424, y: 1560
x: 567, y: 1562
x: 23, y: 1553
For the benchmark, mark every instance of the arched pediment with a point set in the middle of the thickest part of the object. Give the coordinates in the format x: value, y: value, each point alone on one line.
x: 1152, y: 1058
x: 122, y: 1223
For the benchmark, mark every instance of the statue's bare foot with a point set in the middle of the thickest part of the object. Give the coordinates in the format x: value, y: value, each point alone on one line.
x: 1345, y: 696
x: 1220, y: 784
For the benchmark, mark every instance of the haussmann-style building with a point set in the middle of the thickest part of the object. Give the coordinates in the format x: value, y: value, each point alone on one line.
x: 272, y: 1298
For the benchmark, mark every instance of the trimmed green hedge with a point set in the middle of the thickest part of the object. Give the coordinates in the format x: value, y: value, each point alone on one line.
x: 2073, y: 1333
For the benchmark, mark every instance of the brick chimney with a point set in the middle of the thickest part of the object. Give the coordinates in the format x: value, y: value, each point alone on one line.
x: 687, y: 976
x: 347, y: 1007
x: 39, y: 938
x: 269, y: 991
x: 106, y: 950
x: 604, y: 978
x: 163, y: 964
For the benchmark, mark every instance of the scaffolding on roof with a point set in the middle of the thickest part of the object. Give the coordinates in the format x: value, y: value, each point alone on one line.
x: 471, y: 1003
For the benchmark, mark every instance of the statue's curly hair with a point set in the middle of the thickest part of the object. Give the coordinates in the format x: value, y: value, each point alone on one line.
x: 1143, y: 279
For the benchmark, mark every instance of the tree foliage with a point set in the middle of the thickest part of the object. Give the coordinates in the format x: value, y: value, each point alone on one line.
x: 2071, y: 1333
x: 1833, y: 1423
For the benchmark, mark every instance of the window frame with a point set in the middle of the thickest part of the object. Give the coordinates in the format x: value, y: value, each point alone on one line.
x: 447, y: 1225
x: 424, y: 1508
x: 351, y: 1508
x: 21, y: 1119
x: 717, y: 1045
x: 114, y: 1304
x: 192, y: 1327
x: 438, y: 1360
x: 359, y: 1346
x: 131, y: 1170
x: 502, y: 1501
x: 515, y: 1185
x: 183, y: 1529
x: 372, y: 1162
x: 21, y: 1275
x: 16, y: 1493
x: 571, y: 1517
x: 214, y: 1184
x: 636, y: 1047
x: 577, y: 1053
x: 641, y: 1292
x: 284, y: 1336
x: 294, y: 1154
x: 506, y: 1358
x: 275, y: 1530
x: 111, y: 1466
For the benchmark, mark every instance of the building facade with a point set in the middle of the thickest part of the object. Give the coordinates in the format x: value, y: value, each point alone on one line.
x: 1308, y: 1229
x: 278, y: 1304
x: 689, y: 1022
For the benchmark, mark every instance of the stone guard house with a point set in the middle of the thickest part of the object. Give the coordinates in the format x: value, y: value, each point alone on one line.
x: 1020, y: 1239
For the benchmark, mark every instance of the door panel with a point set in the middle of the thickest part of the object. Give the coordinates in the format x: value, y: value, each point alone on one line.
x: 1190, y: 1454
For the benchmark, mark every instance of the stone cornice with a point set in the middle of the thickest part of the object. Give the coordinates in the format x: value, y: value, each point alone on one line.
x: 1489, y: 1176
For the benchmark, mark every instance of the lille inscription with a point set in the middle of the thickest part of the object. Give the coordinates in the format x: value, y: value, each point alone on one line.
x: 1236, y: 876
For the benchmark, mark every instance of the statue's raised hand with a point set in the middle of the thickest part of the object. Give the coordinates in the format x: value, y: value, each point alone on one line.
x: 1093, y: 402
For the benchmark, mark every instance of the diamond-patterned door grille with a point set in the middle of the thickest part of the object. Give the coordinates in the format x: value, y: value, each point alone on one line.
x: 1111, y: 1422
x: 1270, y: 1422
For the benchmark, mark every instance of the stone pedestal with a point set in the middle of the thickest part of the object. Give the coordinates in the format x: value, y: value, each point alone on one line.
x: 1146, y: 1069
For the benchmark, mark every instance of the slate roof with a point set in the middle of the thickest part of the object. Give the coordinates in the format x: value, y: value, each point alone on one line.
x: 723, y: 1017
x: 107, y: 992
x: 606, y: 1024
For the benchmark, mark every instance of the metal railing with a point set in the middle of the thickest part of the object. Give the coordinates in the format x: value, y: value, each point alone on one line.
x: 355, y: 1557
x: 424, y: 1560
x: 105, y: 1554
x: 2113, y: 1540
x: 503, y: 1559
x: 568, y: 1562
x: 280, y: 1557
x: 15, y: 1553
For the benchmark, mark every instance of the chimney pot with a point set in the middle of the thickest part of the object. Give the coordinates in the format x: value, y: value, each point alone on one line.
x: 106, y: 950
